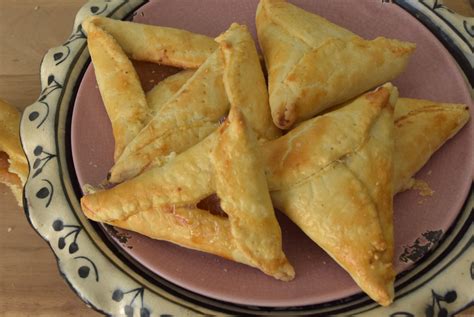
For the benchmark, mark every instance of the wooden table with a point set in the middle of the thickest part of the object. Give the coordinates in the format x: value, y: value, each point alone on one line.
x: 29, y: 279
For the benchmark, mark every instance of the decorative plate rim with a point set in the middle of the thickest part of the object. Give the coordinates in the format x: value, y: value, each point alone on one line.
x: 50, y: 187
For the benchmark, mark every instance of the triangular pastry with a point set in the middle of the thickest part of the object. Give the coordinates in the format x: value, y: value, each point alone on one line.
x: 13, y: 164
x: 157, y: 44
x: 231, y: 74
x: 162, y: 202
x: 314, y: 64
x: 421, y: 128
x: 292, y: 160
x: 119, y: 87
x: 332, y: 176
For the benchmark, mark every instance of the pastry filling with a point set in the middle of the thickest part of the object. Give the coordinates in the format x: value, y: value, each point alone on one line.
x: 212, y: 203
x: 6, y: 176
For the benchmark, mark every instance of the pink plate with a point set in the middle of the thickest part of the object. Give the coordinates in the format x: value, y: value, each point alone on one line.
x: 431, y: 74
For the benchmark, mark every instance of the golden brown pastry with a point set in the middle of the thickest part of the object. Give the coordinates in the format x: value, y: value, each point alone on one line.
x: 332, y: 176
x: 244, y: 81
x: 242, y: 187
x: 421, y: 128
x: 231, y: 74
x: 13, y: 164
x: 157, y: 44
x: 119, y: 87
x: 314, y: 64
x: 128, y: 108
x: 159, y: 95
x: 298, y: 165
x: 188, y: 117
x: 162, y: 202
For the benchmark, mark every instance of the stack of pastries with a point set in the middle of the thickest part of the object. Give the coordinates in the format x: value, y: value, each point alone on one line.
x: 214, y: 131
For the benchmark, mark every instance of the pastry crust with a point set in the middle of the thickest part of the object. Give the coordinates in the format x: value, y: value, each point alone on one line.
x: 314, y: 64
x: 339, y: 188
x: 314, y: 144
x: 242, y: 187
x: 299, y: 164
x: 244, y: 81
x: 13, y: 164
x: 188, y: 117
x: 159, y: 95
x: 157, y: 44
x: 421, y: 128
x: 10, y: 179
x: 231, y: 74
x: 119, y: 87
x: 161, y: 202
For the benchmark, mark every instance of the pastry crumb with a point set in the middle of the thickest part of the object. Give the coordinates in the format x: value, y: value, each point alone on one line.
x: 408, y: 185
x: 423, y: 188
x: 36, y: 8
x: 88, y: 189
x: 9, y: 229
x: 429, y: 172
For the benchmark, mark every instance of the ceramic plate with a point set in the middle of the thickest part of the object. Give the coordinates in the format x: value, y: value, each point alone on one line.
x: 68, y: 141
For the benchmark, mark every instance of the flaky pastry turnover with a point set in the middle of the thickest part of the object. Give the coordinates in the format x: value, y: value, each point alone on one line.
x: 314, y: 64
x: 332, y: 176
x: 119, y: 86
x: 157, y: 44
x: 421, y: 128
x: 13, y: 164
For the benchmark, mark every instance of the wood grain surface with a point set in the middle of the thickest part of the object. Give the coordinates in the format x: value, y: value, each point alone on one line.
x: 29, y: 281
